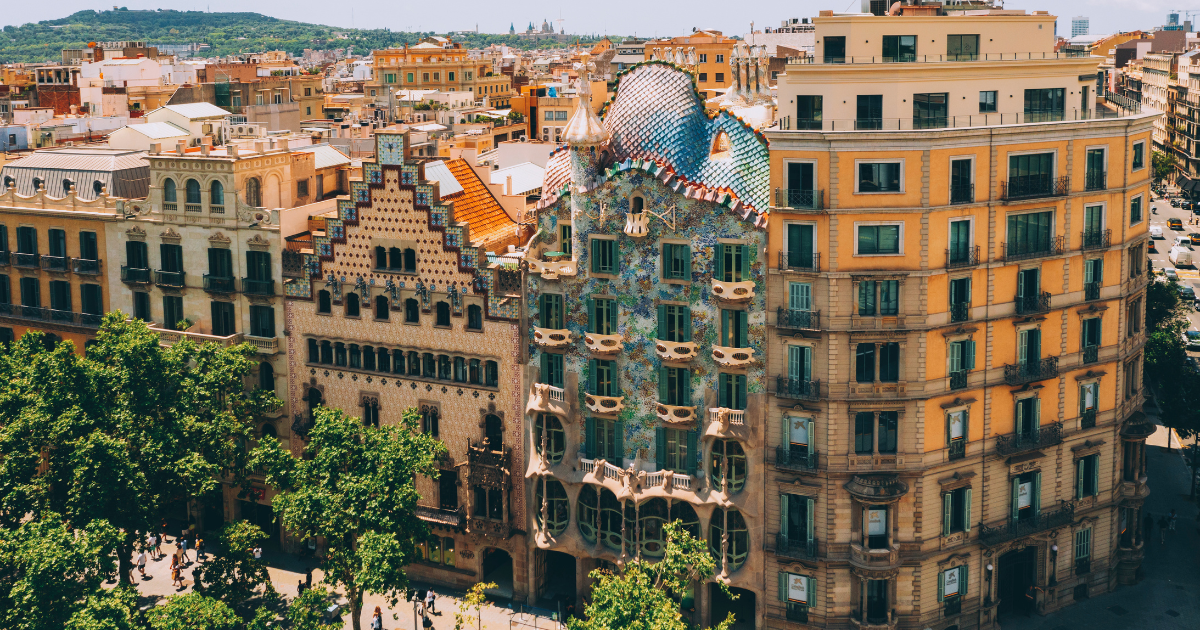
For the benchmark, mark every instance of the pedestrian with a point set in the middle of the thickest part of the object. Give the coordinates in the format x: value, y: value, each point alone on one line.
x: 1171, y: 520
x: 299, y: 588
x: 183, y: 545
x: 197, y: 574
x: 308, y: 579
x: 420, y: 607
x: 429, y: 601
x: 175, y: 578
x: 201, y: 554
x: 377, y: 620
x: 152, y: 543
x: 258, y: 553
x: 1162, y: 530
x: 141, y: 563
x: 426, y: 623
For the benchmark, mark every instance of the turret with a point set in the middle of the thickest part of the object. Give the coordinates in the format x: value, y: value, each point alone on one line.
x: 585, y: 134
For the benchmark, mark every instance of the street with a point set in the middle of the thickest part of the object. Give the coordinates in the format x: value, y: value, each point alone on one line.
x: 1161, y: 211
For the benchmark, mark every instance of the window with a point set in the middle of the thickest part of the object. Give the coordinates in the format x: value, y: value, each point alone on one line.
x: 956, y: 511
x: 1139, y: 155
x: 987, y: 102
x: 899, y: 48
x: 353, y: 305
x: 875, y: 527
x: 1087, y: 476
x: 703, y: 57
x: 1135, y: 211
x: 550, y: 311
x: 800, y: 238
x: 170, y: 195
x: 1044, y: 104
x: 930, y: 110
x: 1090, y: 329
x: 1029, y: 411
x: 1132, y: 383
x: 558, y: 506
x: 952, y: 589
x: 1133, y: 316
x: 87, y: 246
x: 675, y: 386
x: 870, y: 112
x: 449, y: 76
x: 875, y: 240
x: 732, y: 262
x: 864, y: 363
x: 1026, y: 496
x: 728, y: 522
x: 962, y: 357
x: 564, y: 239
x: 720, y: 77
x: 262, y: 321
x: 409, y: 77
x: 324, y: 303
x: 676, y: 449
x: 605, y: 439
x: 412, y: 311
x: 172, y: 311
x: 731, y: 391
x: 865, y: 425
x: 4, y: 238
x: 223, y: 321
x: 549, y: 438
x: 809, y: 112
x: 474, y: 317
x: 1137, y: 260
x: 491, y: 373
x: 734, y: 329
x: 90, y: 299
x: 676, y: 261
x: 447, y: 488
x: 602, y: 379
x: 1029, y: 234
x: 728, y: 467
x: 192, y: 190
x: 254, y: 192
x: 835, y: 49
x: 31, y: 292
x: 1096, y: 169
x: 141, y: 305
x: 302, y: 187
x: 879, y: 177
x: 878, y: 297
x: 442, y: 316
x: 797, y: 591
x: 60, y: 295
x: 604, y: 256
x: 381, y: 307
x: 171, y: 257
x: 552, y: 369
x: 957, y: 432
x: 1083, y: 551
x: 674, y: 322
x: 962, y: 47
x: 27, y: 240
x: 602, y: 315
x: 489, y: 503
x: 429, y: 420
x: 1030, y: 175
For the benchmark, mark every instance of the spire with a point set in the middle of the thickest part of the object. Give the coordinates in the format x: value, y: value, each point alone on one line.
x: 585, y: 127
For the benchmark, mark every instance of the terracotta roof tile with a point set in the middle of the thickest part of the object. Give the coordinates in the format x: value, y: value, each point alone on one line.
x: 474, y: 205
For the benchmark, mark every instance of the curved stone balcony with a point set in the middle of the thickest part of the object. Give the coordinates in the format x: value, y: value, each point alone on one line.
x: 637, y: 224
x: 732, y: 357
x: 675, y: 414
x: 552, y: 270
x: 675, y: 350
x: 875, y: 559
x: 666, y: 479
x: 551, y: 338
x: 603, y: 344
x: 604, y: 404
x: 733, y: 291
x: 545, y: 398
x: 727, y: 417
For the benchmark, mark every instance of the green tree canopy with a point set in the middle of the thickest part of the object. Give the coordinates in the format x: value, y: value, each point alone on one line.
x: 307, y: 612
x: 194, y: 612
x: 235, y: 576
x: 355, y: 488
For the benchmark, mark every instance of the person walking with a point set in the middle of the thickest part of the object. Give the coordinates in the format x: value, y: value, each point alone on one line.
x: 141, y: 563
x: 299, y: 588
x: 201, y: 554
x: 1171, y: 520
x: 183, y: 548
x: 377, y: 619
x: 308, y: 579
x: 1162, y: 530
x: 197, y: 574
x: 152, y: 543
x: 176, y: 580
x: 430, y: 599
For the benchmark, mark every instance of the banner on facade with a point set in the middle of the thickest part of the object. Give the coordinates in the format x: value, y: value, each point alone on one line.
x: 797, y: 588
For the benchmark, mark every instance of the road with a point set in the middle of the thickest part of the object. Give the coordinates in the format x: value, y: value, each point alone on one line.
x: 1161, y: 210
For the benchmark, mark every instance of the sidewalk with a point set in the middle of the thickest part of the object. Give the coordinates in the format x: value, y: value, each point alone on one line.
x: 1165, y: 598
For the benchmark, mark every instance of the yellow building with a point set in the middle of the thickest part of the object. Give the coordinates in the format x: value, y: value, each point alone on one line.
x: 958, y: 256
x: 713, y: 51
x: 438, y: 64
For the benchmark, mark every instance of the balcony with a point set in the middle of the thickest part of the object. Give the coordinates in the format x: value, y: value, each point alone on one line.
x: 1091, y: 354
x: 553, y: 269
x: 253, y: 286
x: 668, y: 479
x: 802, y: 461
x: 264, y: 345
x: 802, y: 263
x: 1083, y: 566
x: 508, y: 281
x: 957, y: 449
x: 170, y: 207
x: 797, y: 389
x: 732, y: 357
x: 603, y: 344
x: 799, y: 199
x: 799, y: 549
x: 28, y: 261
x: 961, y: 257
x: 1045, y: 436
x: 604, y: 404
x: 85, y: 266
x: 219, y: 284
x: 868, y: 558
x: 171, y: 337
x: 733, y: 291
x: 1094, y: 239
x: 727, y: 417
x: 38, y: 313
x: 56, y: 263
x: 1095, y: 180
x: 1025, y: 251
x: 675, y: 350
x: 135, y: 275
x: 1087, y: 419
x: 1031, y: 371
x: 1033, y: 304
x: 191, y: 207
x: 1060, y: 517
x: 1034, y: 187
x: 960, y: 312
x: 551, y: 338
x: 962, y: 193
x: 797, y: 319
x: 675, y: 414
x: 441, y: 516
x: 545, y: 398
x: 169, y: 278
x: 958, y: 380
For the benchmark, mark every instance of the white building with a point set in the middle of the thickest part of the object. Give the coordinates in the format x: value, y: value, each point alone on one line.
x: 199, y: 119
x: 141, y: 137
x: 1079, y: 25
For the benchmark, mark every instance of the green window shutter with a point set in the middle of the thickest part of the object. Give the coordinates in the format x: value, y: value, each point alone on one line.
x: 1079, y: 467
x: 611, y: 316
x: 693, y: 438
x: 1037, y: 416
x: 1037, y: 493
x: 723, y: 390
x: 739, y: 382
x: 685, y: 376
x: 962, y: 581
x: 1096, y: 475
x: 812, y: 592
x: 686, y: 314
x: 966, y: 426
x: 947, y: 503
x: 660, y: 447
x: 812, y: 438
x: 941, y: 585
x: 662, y: 322
x: 542, y: 310
x: 724, y: 328
x: 783, y: 579
x: 783, y: 518
x: 615, y: 248
x: 1016, y: 482
x: 589, y: 446
x: 809, y: 529
x: 593, y: 376
x: 619, y: 441
x: 591, y: 313
x: 664, y: 260
x: 744, y: 329
x: 745, y: 251
x: 967, y: 512
x: 594, y: 255
x: 719, y: 262
x: 663, y: 389
x: 545, y: 360
x: 949, y: 435
x: 1023, y: 346
x: 969, y: 352
x: 687, y: 261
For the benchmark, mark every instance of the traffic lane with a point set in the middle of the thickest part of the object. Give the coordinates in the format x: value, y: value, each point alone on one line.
x: 1162, y: 211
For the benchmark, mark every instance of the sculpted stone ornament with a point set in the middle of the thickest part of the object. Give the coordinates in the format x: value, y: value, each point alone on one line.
x: 455, y: 300
x: 360, y: 285
x: 423, y: 293
x: 334, y: 286
x: 392, y: 290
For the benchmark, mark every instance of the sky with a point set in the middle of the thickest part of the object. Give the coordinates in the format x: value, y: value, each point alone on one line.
x: 617, y: 17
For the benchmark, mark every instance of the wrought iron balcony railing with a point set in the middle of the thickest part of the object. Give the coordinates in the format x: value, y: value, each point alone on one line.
x: 1087, y: 419
x: 1095, y: 180
x: 258, y: 287
x: 1095, y: 239
x: 796, y: 262
x: 962, y: 256
x: 1044, y: 436
x: 1091, y: 291
x: 56, y: 263
x: 219, y: 284
x: 135, y: 275
x: 796, y: 319
x: 169, y: 278
x: 30, y: 261
x: 799, y: 199
x: 958, y: 380
x: 790, y: 459
x: 788, y: 548
x: 958, y: 449
x: 1063, y: 515
x: 786, y: 387
x: 960, y: 312
x: 962, y: 193
x: 1030, y: 371
x: 1034, y: 187
x: 1025, y: 251
x: 85, y: 266
x: 1091, y: 354
x: 1035, y: 303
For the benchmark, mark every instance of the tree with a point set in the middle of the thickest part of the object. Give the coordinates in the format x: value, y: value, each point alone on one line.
x: 1164, y: 164
x: 473, y: 599
x: 122, y: 433
x: 643, y: 596
x: 195, y: 612
x: 50, y: 575
x: 355, y: 488
x: 235, y: 576
x: 307, y: 612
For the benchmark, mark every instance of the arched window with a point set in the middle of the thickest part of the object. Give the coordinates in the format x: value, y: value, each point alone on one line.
x: 324, y: 304
x: 443, y: 314
x: 549, y: 438
x: 414, y: 364
x: 383, y: 359
x: 266, y: 377
x: 339, y: 354
x: 460, y: 370
x: 443, y: 367
x: 355, y: 357
x: 412, y: 311
x: 192, y: 188
x: 429, y: 420
x: 326, y: 353
x: 493, y: 432
x: 395, y: 259
x: 368, y: 358
x: 314, y: 400
x: 370, y: 415
x: 637, y: 204
x: 254, y: 192
x: 728, y: 465
x: 428, y: 365
x: 685, y: 514
x: 652, y: 515
x: 381, y: 307
x: 730, y: 522
x: 491, y: 374
x: 353, y: 304
x: 268, y: 431
x: 410, y: 260
x: 169, y: 195
x: 314, y: 351
x: 474, y: 317
x: 611, y: 518
x: 585, y: 512
x: 216, y: 194
x: 9, y: 182
x: 473, y: 371
x: 67, y: 185
x: 97, y: 187
x: 380, y: 258
x: 558, y: 507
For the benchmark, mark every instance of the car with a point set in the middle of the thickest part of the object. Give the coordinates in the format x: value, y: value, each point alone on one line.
x: 1175, y: 224
x: 1150, y: 247
x: 1182, y: 241
x: 1195, y: 236
x: 1170, y: 274
x: 1187, y: 293
x: 1192, y: 339
x: 1156, y: 231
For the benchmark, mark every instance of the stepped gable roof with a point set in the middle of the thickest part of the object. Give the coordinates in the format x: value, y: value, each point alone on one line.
x: 474, y: 204
x: 658, y: 123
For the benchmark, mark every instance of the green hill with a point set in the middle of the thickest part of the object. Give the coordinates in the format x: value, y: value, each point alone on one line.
x: 227, y: 33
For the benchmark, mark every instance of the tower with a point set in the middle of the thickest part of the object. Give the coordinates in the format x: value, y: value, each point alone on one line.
x: 585, y: 133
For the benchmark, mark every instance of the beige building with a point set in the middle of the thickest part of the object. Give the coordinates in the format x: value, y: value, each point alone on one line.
x: 438, y: 63
x: 713, y: 52
x: 958, y: 246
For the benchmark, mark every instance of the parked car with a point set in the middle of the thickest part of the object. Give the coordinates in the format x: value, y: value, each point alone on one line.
x: 1175, y: 224
x: 1187, y: 293
x: 1156, y: 231
x: 1192, y: 339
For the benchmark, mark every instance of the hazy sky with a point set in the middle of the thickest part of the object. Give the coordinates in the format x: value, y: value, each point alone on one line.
x: 623, y: 17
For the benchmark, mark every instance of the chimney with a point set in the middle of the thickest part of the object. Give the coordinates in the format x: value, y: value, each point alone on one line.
x: 508, y: 186
x: 206, y: 141
x: 272, y: 141
x: 155, y: 148
x: 180, y: 147
x: 258, y: 147
x: 204, y: 149
x: 283, y: 144
x: 232, y: 149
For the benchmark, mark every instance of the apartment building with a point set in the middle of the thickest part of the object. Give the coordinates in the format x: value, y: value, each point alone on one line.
x: 437, y: 63
x: 646, y: 380
x: 713, y: 52
x: 956, y: 291
x: 393, y: 304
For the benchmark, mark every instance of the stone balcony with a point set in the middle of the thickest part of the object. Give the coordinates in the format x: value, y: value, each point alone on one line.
x: 604, y: 404
x: 732, y: 357
x: 545, y: 398
x: 551, y: 338
x: 868, y: 623
x: 675, y: 350
x: 727, y: 417
x: 668, y: 480
x: 866, y: 558
x: 264, y: 345
x: 603, y: 344
x: 553, y: 270
x: 733, y: 291
x: 675, y: 414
